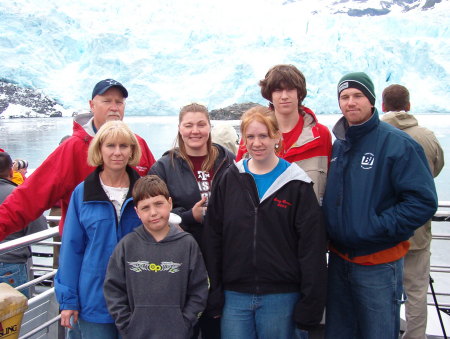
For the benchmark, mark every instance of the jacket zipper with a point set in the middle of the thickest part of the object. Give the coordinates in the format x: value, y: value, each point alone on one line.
x: 255, y: 231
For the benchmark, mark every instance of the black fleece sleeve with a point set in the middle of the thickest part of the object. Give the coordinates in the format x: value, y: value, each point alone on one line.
x: 312, y: 248
x: 212, y: 250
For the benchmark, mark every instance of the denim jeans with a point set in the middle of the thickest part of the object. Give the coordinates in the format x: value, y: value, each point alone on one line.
x: 363, y: 301
x: 97, y: 330
x: 250, y: 316
x: 14, y: 275
x: 74, y: 332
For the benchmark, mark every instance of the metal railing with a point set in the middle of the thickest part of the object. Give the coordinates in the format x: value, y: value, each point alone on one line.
x: 42, y: 317
x: 41, y: 320
x: 441, y: 215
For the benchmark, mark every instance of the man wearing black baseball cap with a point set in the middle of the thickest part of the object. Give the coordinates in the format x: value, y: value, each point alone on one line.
x: 379, y: 191
x: 55, y: 179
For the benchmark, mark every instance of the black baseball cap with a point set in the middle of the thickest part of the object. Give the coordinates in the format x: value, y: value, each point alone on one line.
x: 106, y: 84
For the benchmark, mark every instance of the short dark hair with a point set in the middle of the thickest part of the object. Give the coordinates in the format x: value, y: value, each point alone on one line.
x: 5, y: 165
x: 395, y: 98
x: 281, y: 77
x: 148, y: 187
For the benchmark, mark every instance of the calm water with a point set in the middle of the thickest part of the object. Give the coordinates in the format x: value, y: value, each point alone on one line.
x: 35, y: 139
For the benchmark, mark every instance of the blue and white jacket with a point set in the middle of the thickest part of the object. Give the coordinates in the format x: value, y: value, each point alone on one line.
x: 379, y: 187
x: 91, y: 233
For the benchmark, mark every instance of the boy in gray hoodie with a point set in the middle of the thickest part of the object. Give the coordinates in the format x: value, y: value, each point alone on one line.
x: 156, y: 284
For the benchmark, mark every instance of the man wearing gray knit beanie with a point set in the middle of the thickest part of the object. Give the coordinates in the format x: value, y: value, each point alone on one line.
x: 379, y: 191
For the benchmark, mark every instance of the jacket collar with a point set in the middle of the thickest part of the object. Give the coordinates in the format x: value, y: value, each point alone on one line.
x: 343, y: 131
x: 6, y: 181
x: 293, y: 172
x: 222, y: 156
x: 93, y: 190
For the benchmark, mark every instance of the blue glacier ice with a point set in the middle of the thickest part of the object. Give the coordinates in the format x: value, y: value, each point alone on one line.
x: 169, y: 53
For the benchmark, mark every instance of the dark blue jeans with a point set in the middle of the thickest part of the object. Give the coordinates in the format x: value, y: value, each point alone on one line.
x: 14, y: 275
x: 363, y: 301
x: 97, y: 330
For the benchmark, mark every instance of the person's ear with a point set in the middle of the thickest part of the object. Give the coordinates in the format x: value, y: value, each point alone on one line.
x: 91, y: 105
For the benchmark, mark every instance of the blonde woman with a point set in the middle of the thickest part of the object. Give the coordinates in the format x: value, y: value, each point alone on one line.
x: 100, y: 213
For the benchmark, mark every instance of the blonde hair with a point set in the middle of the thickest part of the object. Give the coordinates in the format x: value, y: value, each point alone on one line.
x: 211, y: 152
x: 115, y: 130
x: 265, y: 116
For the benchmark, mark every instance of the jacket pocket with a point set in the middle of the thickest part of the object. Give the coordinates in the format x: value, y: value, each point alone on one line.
x: 157, y: 321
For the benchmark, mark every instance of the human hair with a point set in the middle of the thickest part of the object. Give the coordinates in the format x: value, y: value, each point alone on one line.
x: 115, y: 130
x: 265, y: 116
x: 148, y: 187
x: 5, y: 165
x: 64, y: 138
x: 19, y: 164
x: 396, y: 98
x: 283, y: 77
x: 211, y: 152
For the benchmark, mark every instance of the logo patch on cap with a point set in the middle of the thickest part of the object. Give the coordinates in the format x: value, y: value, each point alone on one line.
x: 113, y: 82
x: 343, y: 86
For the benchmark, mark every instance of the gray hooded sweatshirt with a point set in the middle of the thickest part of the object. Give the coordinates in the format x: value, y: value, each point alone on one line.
x: 156, y: 289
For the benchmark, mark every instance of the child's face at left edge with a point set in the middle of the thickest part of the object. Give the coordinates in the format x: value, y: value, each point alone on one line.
x: 154, y: 213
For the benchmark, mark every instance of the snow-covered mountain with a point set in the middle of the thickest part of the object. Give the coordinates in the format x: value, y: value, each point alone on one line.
x: 367, y: 7
x: 169, y: 53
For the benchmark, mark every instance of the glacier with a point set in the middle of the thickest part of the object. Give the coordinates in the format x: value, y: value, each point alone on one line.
x: 170, y: 53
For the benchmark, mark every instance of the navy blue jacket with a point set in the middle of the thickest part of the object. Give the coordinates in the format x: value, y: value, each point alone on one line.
x: 379, y: 188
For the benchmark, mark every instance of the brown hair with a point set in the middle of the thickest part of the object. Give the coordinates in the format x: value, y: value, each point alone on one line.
x: 148, y: 187
x: 211, y: 153
x: 115, y: 129
x: 265, y: 116
x: 281, y: 77
x: 6, y: 164
x: 396, y: 98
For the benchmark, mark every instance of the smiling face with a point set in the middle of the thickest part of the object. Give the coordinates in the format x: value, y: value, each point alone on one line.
x: 285, y: 101
x: 194, y: 129
x: 154, y: 213
x: 116, y: 153
x: 355, y: 106
x: 108, y: 106
x: 258, y: 142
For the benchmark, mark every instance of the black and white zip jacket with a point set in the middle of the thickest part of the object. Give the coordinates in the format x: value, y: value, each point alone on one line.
x: 273, y: 245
